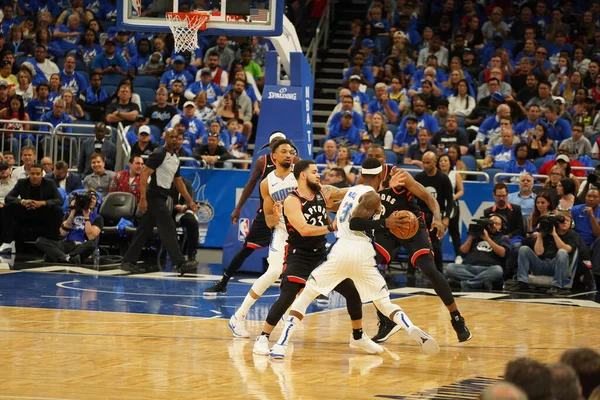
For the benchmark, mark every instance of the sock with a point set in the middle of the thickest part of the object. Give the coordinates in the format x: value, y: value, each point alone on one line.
x: 357, y: 333
x: 288, y: 329
x: 225, y: 280
x: 263, y: 333
x: 245, y: 307
x: 402, y: 319
x: 455, y: 315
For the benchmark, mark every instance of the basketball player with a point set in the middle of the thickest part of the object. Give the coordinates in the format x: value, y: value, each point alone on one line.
x: 307, y: 223
x: 260, y: 234
x: 388, y: 170
x: 353, y: 257
x: 273, y: 190
x: 418, y: 248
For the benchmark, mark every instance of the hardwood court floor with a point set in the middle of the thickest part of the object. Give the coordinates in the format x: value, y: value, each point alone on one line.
x: 66, y: 354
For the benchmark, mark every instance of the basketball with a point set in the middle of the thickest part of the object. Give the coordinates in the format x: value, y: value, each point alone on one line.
x: 409, y: 230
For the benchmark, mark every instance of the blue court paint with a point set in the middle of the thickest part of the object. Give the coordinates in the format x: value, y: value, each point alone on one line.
x: 136, y: 295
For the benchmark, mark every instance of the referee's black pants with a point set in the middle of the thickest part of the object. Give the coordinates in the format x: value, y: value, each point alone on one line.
x: 157, y: 215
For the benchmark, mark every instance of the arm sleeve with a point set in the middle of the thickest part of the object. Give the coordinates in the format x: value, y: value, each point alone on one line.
x: 363, y: 224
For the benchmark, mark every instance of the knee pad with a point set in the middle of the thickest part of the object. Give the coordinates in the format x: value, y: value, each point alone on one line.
x: 426, y: 265
x: 285, y: 300
x: 386, y: 306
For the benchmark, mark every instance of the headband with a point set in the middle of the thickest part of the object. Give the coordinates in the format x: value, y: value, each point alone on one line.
x: 372, y: 171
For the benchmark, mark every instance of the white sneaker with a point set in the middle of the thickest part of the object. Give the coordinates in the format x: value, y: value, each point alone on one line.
x: 8, y: 248
x: 278, y: 352
x: 238, y: 328
x: 428, y: 344
x: 366, y: 344
x: 261, y: 346
x: 458, y: 260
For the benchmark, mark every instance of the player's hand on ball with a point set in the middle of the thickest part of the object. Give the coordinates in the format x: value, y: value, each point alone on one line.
x: 398, y: 179
x: 441, y: 229
x: 397, y: 221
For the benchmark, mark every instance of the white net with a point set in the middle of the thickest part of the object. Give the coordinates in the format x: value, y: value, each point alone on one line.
x: 185, y: 27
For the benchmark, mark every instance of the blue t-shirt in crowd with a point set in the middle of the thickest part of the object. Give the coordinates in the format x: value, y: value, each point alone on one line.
x: 583, y: 224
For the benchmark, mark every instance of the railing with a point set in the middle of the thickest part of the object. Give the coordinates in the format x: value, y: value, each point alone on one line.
x: 70, y: 143
x: 14, y: 144
x: 414, y: 171
x: 511, y: 175
x: 204, y: 165
x: 321, y: 35
x: 123, y: 148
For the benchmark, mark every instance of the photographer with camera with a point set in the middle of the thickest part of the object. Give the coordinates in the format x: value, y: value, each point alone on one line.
x: 79, y: 231
x: 486, y: 249
x: 554, y: 245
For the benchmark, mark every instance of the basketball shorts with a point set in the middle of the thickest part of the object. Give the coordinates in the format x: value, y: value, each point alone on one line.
x: 259, y: 234
x: 276, y: 254
x: 299, y: 263
x: 387, y: 244
x: 353, y: 259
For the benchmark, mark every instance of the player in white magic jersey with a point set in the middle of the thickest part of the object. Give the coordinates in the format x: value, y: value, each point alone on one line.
x: 353, y: 257
x: 274, y: 190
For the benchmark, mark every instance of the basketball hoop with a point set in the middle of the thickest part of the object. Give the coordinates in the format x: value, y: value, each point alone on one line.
x: 185, y: 27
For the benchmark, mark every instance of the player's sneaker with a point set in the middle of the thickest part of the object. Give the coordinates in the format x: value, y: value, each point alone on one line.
x: 463, y: 333
x: 366, y: 344
x: 322, y: 299
x: 428, y: 344
x: 238, y: 327
x: 217, y: 288
x: 386, y: 330
x: 261, y: 346
x: 278, y: 352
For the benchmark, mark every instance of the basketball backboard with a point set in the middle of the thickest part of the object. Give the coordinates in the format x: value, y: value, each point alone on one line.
x: 227, y: 17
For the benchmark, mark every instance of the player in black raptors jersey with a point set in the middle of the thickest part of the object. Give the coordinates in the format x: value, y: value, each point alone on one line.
x: 377, y: 151
x: 404, y: 197
x: 260, y: 234
x: 307, y: 223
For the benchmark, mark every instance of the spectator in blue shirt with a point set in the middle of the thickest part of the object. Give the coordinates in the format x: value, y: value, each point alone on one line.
x: 124, y: 47
x: 359, y: 69
x: 404, y: 139
x: 525, y: 197
x: 543, y: 67
x: 69, y: 34
x: 109, y: 62
x: 72, y: 80
x: 329, y: 155
x: 89, y: 47
x: 55, y: 117
x: 424, y: 120
x: 177, y: 73
x: 365, y: 143
x: 528, y: 125
x: 360, y: 98
x: 587, y: 216
x: 212, y: 90
x: 367, y: 46
x: 344, y: 133
x: 388, y: 108
x: 216, y: 128
x: 500, y: 155
x: 347, y: 105
x: 520, y: 163
x: 490, y: 127
x: 559, y: 128
x: 8, y: 19
x: 40, y: 105
x: 194, y: 127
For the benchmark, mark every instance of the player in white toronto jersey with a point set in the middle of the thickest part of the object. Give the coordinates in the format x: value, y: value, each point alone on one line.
x: 274, y: 189
x: 353, y: 257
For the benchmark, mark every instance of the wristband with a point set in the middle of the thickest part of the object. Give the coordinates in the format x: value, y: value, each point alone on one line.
x: 237, y: 209
x: 64, y: 228
x: 87, y: 220
x: 330, y: 228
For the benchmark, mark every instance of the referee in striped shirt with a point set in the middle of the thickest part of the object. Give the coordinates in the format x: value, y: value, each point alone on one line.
x: 162, y: 167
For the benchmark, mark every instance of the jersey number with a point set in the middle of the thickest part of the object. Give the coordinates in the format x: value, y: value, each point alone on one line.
x: 345, y: 212
x: 316, y: 221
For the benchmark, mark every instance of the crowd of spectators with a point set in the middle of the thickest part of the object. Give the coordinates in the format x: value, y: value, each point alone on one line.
x: 575, y: 376
x: 507, y: 88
